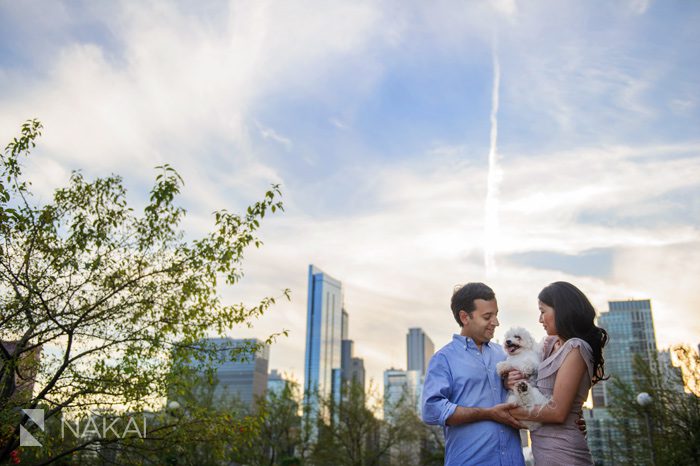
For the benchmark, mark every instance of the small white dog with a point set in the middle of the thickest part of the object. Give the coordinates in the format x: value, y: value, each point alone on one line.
x: 524, y: 356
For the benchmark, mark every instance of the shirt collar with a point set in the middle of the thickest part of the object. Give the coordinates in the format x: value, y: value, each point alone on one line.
x: 466, y: 342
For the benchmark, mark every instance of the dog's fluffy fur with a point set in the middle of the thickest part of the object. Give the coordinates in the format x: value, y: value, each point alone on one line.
x: 524, y: 356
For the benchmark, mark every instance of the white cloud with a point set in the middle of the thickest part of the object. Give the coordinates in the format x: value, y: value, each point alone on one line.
x: 182, y: 90
x: 269, y: 133
x: 507, y: 7
x: 400, y: 259
x: 668, y: 276
x: 186, y: 90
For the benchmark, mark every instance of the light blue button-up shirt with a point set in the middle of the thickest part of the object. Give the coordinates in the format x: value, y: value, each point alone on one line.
x: 460, y: 374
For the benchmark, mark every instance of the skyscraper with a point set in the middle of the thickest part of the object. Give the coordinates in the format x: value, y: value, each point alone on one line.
x: 243, y: 377
x: 630, y: 328
x: 352, y: 368
x: 275, y: 382
x: 324, y: 331
x: 345, y: 328
x: 419, y: 350
x: 346, y: 359
x: 357, y: 372
x: 401, y: 387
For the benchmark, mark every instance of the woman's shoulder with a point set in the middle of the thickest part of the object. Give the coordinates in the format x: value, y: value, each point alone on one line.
x: 584, y: 350
x: 551, y: 364
x: 579, y: 343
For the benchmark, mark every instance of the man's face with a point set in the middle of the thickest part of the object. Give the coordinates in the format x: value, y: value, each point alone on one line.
x: 483, y: 321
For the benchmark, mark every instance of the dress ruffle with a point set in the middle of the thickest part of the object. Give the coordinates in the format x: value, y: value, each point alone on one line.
x: 551, y: 365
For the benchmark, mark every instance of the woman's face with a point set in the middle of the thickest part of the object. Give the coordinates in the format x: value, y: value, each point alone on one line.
x: 547, y: 318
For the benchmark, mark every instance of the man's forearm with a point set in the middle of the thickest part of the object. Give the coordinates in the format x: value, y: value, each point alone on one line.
x: 499, y: 413
x: 464, y: 415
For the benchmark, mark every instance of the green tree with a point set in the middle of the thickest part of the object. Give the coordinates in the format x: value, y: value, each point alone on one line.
x: 278, y: 436
x: 351, y: 434
x: 109, y: 298
x: 674, y: 414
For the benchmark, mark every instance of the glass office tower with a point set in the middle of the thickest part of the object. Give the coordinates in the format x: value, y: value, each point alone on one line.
x: 630, y: 328
x: 324, y: 327
x: 419, y: 350
x: 237, y: 375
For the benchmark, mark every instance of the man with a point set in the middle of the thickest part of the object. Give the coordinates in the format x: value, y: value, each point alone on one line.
x: 463, y: 392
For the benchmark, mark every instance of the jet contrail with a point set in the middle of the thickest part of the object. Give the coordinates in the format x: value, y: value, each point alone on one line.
x: 494, y: 174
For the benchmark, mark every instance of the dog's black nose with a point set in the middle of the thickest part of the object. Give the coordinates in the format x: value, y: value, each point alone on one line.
x: 508, y: 342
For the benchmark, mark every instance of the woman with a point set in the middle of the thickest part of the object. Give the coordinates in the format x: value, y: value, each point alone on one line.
x: 573, y: 362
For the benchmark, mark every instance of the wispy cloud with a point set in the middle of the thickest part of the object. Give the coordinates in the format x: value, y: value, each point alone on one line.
x: 269, y: 133
x: 339, y: 124
x: 400, y: 260
x: 582, y: 123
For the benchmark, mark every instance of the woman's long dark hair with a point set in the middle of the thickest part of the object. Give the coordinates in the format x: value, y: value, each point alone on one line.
x: 574, y: 316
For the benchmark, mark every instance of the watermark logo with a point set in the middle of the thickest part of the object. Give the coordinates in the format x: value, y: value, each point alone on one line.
x: 101, y: 427
x: 91, y: 427
x: 25, y: 438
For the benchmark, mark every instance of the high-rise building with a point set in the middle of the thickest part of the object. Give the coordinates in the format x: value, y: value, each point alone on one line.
x: 402, y: 390
x: 239, y: 372
x: 419, y: 350
x: 402, y: 387
x: 352, y: 368
x: 324, y: 332
x: 25, y: 372
x: 346, y: 359
x: 630, y: 328
x: 244, y: 378
x: 357, y: 372
x: 275, y: 382
x: 670, y: 373
x: 345, y: 327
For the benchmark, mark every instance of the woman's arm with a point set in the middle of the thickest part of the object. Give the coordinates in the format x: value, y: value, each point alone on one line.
x: 565, y: 389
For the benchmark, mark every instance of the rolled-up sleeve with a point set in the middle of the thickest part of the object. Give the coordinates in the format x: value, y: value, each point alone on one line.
x: 437, y: 407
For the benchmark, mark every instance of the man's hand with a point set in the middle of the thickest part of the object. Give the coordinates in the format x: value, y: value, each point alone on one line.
x: 512, y: 378
x: 501, y: 413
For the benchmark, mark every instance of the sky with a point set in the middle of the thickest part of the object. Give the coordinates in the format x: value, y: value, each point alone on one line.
x: 418, y: 145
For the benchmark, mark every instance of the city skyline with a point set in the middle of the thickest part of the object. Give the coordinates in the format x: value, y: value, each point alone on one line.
x: 391, y: 127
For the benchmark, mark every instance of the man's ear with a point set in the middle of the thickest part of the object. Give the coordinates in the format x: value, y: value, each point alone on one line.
x: 464, y: 317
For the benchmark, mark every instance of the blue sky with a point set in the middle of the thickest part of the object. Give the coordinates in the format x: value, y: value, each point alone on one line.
x: 375, y: 119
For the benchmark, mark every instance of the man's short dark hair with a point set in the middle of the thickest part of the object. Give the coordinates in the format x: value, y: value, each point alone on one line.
x: 463, y: 298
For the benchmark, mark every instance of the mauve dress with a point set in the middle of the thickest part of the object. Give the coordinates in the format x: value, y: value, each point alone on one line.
x: 562, y: 444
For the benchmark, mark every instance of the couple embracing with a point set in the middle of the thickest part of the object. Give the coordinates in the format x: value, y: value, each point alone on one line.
x: 464, y: 393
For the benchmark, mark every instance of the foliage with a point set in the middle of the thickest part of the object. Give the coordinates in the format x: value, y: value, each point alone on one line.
x: 688, y: 361
x: 108, y: 297
x: 674, y: 414
x: 351, y: 433
x: 279, y: 435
